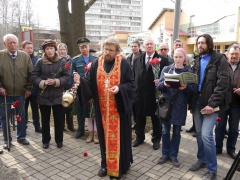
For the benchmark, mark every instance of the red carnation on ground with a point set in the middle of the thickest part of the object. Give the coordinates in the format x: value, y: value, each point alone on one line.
x: 85, y: 154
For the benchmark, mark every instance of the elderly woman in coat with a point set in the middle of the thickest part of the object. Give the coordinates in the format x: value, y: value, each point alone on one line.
x: 51, y: 76
x: 170, y: 146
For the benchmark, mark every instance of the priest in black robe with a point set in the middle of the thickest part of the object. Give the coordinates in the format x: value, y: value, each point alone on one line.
x: 110, y: 83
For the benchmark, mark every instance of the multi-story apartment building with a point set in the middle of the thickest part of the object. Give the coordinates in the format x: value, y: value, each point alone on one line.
x: 106, y: 16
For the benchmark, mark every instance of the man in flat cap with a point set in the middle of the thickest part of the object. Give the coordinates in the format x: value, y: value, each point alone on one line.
x: 78, y: 64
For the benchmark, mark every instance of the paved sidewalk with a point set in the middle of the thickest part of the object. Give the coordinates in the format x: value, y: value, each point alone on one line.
x: 36, y: 163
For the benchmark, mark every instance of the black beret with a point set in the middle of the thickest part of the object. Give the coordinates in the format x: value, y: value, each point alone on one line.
x: 82, y: 41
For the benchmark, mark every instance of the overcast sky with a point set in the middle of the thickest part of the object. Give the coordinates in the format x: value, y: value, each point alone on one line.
x: 48, y: 13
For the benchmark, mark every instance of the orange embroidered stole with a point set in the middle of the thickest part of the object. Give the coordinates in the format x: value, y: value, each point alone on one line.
x: 110, y: 115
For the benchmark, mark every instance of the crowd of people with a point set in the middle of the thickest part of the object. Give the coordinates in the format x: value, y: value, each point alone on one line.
x: 113, y: 90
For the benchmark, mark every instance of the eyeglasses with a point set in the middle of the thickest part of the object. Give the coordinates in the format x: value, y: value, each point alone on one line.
x: 163, y: 49
x: 234, y: 54
x: 109, y: 50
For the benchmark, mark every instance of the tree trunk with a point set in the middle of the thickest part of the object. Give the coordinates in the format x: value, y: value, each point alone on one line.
x: 65, y: 25
x: 78, y: 23
x: 72, y: 26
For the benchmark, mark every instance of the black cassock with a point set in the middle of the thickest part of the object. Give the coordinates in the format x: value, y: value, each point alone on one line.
x: 124, y: 99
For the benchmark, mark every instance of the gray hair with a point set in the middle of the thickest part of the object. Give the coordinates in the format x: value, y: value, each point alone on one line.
x: 7, y: 36
x: 62, y: 44
x: 112, y: 41
x: 148, y: 39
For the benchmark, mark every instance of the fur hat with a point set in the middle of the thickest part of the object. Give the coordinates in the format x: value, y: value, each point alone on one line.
x: 49, y: 43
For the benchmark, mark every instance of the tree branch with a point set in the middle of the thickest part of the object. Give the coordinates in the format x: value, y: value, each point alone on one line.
x: 88, y: 5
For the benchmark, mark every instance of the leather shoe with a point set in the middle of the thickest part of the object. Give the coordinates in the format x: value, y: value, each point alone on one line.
x: 209, y: 176
x: 78, y: 135
x: 218, y: 151
x: 102, y: 172
x: 233, y: 155
x: 23, y: 141
x: 197, y: 166
x: 5, y: 145
x: 46, y: 146
x: 113, y: 177
x: 162, y: 160
x: 192, y: 129
x: 156, y: 146
x: 59, y: 145
x: 136, y: 143
x: 38, y: 129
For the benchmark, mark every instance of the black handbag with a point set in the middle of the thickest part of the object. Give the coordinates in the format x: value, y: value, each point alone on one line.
x: 165, y: 105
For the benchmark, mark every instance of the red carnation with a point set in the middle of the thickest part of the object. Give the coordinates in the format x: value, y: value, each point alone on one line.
x: 219, y: 119
x: 18, y: 118
x: 16, y: 103
x: 154, y: 61
x: 85, y: 154
x: 67, y: 66
x: 88, y: 65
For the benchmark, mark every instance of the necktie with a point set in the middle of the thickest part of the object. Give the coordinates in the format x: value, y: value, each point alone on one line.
x: 13, y: 56
x: 147, y: 64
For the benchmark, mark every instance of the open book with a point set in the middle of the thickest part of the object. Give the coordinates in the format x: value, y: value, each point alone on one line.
x: 177, y: 80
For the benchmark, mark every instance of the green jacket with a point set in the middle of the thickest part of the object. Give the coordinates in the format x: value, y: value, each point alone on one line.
x: 15, y: 73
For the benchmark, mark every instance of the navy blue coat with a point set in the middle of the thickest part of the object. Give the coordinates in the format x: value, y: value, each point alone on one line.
x: 179, y: 111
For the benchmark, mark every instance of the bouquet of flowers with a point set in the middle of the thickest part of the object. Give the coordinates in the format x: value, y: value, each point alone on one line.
x: 61, y: 69
x: 155, y: 63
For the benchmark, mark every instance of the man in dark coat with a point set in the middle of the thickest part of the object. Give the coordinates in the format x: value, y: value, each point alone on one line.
x: 145, y: 100
x: 110, y: 83
x: 232, y: 115
x: 136, y: 51
x: 27, y: 46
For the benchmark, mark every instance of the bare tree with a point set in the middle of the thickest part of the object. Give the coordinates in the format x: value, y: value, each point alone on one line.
x: 72, y: 25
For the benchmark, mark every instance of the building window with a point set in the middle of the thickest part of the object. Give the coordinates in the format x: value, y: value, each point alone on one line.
x: 217, y: 48
x: 226, y: 47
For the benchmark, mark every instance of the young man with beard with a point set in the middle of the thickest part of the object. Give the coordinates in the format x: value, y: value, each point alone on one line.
x: 110, y: 83
x: 145, y: 100
x: 213, y: 75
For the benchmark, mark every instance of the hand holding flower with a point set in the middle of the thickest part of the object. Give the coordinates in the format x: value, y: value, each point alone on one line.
x: 50, y: 82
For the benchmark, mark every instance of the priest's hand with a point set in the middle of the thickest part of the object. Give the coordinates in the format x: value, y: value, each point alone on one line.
x: 114, y: 89
x: 76, y: 78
